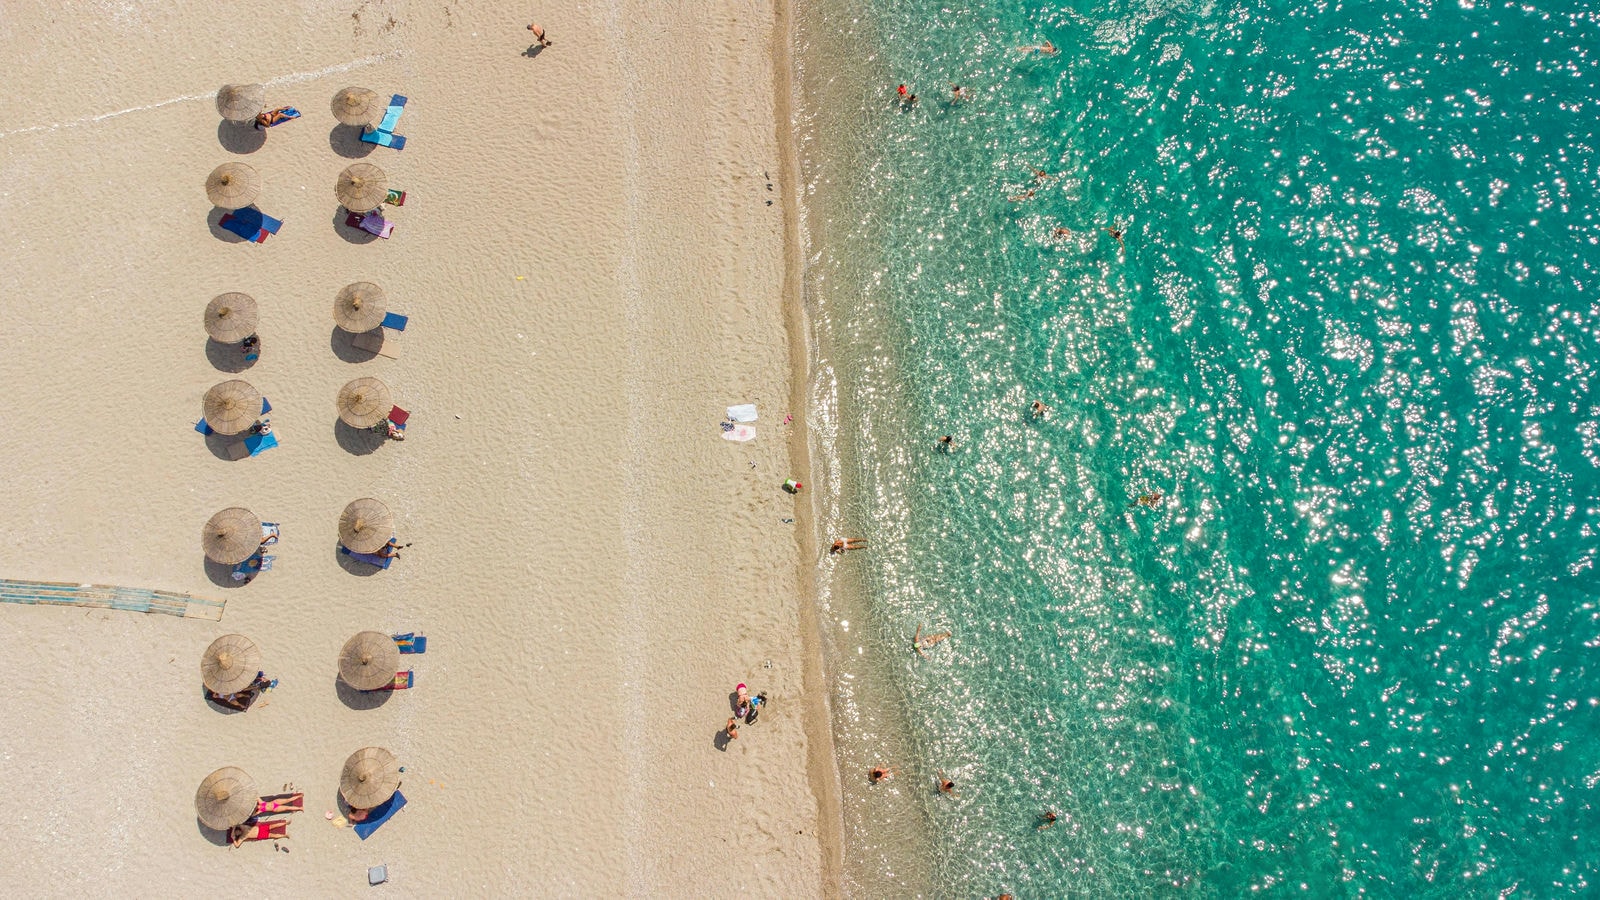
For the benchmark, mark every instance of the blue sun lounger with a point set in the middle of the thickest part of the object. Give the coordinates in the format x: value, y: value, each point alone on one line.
x: 411, y: 642
x: 395, y: 321
x: 380, y: 814
x: 371, y: 559
x: 383, y: 134
x: 258, y: 444
x: 251, y: 224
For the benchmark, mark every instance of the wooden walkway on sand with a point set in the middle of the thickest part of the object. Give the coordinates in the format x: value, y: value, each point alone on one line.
x: 99, y: 596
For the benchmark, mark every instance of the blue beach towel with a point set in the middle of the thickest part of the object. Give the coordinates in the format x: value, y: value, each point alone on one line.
x: 385, y: 139
x: 411, y: 642
x: 371, y: 559
x: 395, y: 321
x: 380, y: 814
x: 243, y: 229
x: 261, y: 443
x: 203, y: 428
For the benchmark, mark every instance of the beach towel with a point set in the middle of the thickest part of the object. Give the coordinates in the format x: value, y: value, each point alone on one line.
x: 385, y: 139
x: 380, y: 814
x: 269, y: 533
x: 743, y: 413
x: 246, y: 570
x: 411, y: 642
x: 402, y: 682
x: 395, y: 321
x: 232, y: 223
x: 371, y: 223
x: 740, y: 433
x: 399, y: 416
x: 203, y: 428
x: 395, y: 198
x: 258, y: 444
x: 371, y: 559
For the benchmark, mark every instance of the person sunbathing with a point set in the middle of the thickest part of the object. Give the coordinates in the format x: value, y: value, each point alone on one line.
x: 276, y: 117
x: 392, y: 549
x: 241, y: 699
x: 358, y: 815
x: 281, y: 803
x: 251, y: 830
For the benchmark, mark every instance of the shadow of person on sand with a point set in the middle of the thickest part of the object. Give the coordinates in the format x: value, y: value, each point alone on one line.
x: 721, y: 740
x: 533, y: 51
x: 240, y: 138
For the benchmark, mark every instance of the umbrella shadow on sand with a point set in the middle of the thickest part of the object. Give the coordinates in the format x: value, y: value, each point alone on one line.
x: 342, y: 343
x: 359, y: 700
x: 354, y: 566
x: 346, y: 141
x: 221, y: 575
x: 217, y: 231
x: 357, y: 441
x: 227, y: 357
x: 236, y: 137
x: 351, y: 235
x: 217, y: 838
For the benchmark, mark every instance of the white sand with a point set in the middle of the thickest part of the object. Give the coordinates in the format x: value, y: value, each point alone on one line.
x: 592, y: 273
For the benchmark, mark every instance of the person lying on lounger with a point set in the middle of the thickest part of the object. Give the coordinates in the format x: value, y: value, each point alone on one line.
x: 252, y: 830
x: 392, y: 549
x: 241, y: 700
x: 281, y: 803
x: 276, y: 117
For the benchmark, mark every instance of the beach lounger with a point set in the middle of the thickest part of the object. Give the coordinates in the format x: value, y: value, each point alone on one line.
x: 251, y: 224
x: 385, y: 139
x: 380, y: 814
x: 371, y: 223
x: 232, y: 223
x: 411, y: 642
x: 381, y: 341
x: 371, y: 559
x: 395, y: 198
x: 258, y: 444
x: 395, y: 321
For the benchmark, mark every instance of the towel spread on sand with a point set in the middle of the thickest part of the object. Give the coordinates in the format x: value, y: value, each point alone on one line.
x: 745, y: 412
x: 740, y: 433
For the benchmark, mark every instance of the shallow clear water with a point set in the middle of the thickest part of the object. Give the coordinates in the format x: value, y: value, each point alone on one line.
x: 1351, y: 341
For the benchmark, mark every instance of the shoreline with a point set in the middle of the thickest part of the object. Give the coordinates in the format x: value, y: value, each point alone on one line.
x: 822, y: 758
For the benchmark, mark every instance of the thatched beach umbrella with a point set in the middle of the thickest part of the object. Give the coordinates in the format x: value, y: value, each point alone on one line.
x: 226, y: 798
x: 364, y: 403
x: 230, y: 664
x: 361, y: 187
x: 233, y: 186
x: 241, y: 102
x: 366, y: 525
x: 368, y: 661
x: 231, y: 536
x: 230, y: 318
x: 357, y: 106
x: 371, y: 776
x: 359, y: 307
x: 232, y: 406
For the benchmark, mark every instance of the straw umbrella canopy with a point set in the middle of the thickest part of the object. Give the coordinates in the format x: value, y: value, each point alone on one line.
x: 366, y: 525
x: 233, y: 185
x: 241, y: 102
x: 364, y: 403
x: 226, y: 798
x: 230, y: 318
x: 232, y: 406
x: 356, y: 106
x: 371, y: 776
x: 231, y: 536
x: 368, y: 661
x: 230, y: 664
x: 359, y: 307
x: 362, y: 187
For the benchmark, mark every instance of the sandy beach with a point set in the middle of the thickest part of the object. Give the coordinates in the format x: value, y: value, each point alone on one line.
x: 592, y: 257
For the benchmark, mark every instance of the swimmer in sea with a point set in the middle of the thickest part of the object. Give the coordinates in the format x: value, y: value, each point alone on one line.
x: 1150, y: 500
x: 1047, y: 819
x: 847, y: 544
x: 881, y: 773
x: 1116, y: 232
x: 921, y: 642
x: 946, y: 786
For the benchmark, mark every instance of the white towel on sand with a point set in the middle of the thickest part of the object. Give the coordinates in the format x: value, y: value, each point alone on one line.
x: 740, y: 433
x: 743, y: 413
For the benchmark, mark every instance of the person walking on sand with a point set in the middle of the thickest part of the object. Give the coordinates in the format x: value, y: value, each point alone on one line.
x: 920, y: 642
x: 538, y: 33
x: 732, y: 729
x: 847, y: 544
x: 881, y: 773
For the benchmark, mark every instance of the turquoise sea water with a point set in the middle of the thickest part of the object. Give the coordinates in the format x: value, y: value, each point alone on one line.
x: 1355, y: 648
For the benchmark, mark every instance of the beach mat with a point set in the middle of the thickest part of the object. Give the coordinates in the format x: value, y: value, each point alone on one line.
x: 380, y: 814
x: 740, y: 433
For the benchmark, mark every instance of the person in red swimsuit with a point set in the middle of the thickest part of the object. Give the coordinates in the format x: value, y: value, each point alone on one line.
x: 251, y: 830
